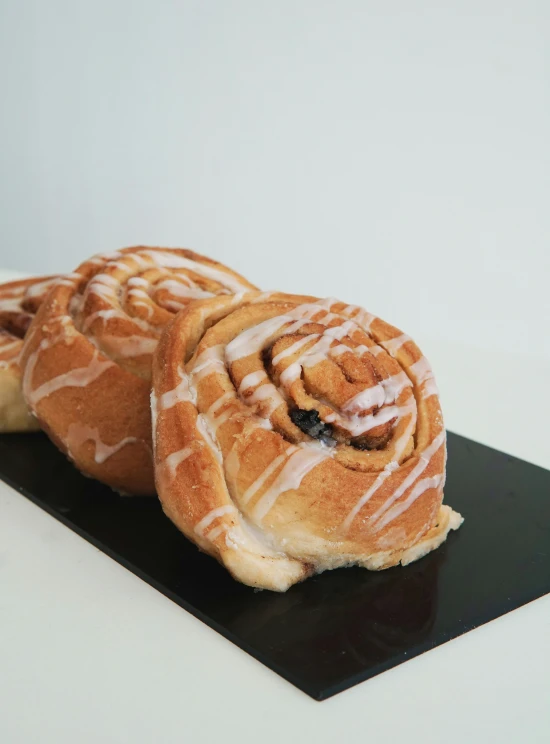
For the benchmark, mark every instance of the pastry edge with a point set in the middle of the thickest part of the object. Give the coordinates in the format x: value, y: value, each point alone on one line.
x: 284, y: 571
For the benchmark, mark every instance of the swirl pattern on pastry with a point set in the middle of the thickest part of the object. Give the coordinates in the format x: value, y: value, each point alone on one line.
x: 294, y: 435
x: 19, y: 302
x: 87, y: 356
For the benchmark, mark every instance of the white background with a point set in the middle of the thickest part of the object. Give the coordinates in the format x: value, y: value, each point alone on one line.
x: 388, y: 153
x: 394, y: 154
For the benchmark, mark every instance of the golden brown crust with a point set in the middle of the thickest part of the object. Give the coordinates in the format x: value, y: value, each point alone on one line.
x: 295, y: 435
x: 19, y: 302
x: 87, y: 356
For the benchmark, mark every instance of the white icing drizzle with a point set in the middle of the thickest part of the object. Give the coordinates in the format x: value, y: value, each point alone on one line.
x: 68, y: 282
x: 137, y: 292
x: 10, y: 305
x: 79, y: 377
x: 129, y: 346
x: 266, y: 392
x: 179, y: 289
x: 38, y: 288
x: 421, y: 370
x: 205, y: 522
x: 246, y: 535
x: 372, y: 396
x: 374, y: 350
x: 174, y: 261
x: 101, y: 290
x: 222, y: 418
x: 105, y: 280
x: 316, y: 353
x: 297, y: 325
x: 123, y: 265
x: 297, y: 466
x: 400, y: 446
x: 103, y: 314
x: 429, y: 388
x: 147, y: 306
x: 340, y: 349
x: 254, y: 338
x: 424, y: 377
x: 378, y: 395
x: 359, y: 315
x: 78, y: 434
x: 139, y: 259
x: 358, y: 351
x: 216, y: 417
x: 251, y: 380
x: 211, y: 360
x: 237, y: 298
x: 357, y: 425
x: 293, y: 348
x: 327, y: 303
x: 217, y: 531
x: 154, y: 416
x: 416, y: 472
x: 263, y: 297
x: 12, y: 291
x: 393, y: 345
x: 137, y: 281
x: 262, y: 478
x: 394, y: 385
x: 115, y: 312
x: 173, y: 461
x: 182, y: 393
x: 100, y: 258
x: 398, y: 509
x: 291, y: 374
x: 217, y: 404
x: 209, y: 437
x: 232, y: 465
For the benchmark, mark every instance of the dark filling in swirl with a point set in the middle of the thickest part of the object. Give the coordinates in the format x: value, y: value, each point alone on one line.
x: 310, y: 423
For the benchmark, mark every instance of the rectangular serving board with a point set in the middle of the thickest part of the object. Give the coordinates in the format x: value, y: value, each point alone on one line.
x: 342, y: 627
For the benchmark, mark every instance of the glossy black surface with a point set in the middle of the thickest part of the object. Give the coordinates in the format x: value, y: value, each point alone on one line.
x: 345, y: 626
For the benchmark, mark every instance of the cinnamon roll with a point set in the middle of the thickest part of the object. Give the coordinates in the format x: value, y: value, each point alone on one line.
x: 294, y: 435
x: 87, y: 355
x: 19, y: 302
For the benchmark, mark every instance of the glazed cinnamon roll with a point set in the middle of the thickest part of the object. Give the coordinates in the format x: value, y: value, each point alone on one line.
x: 87, y: 355
x: 295, y: 435
x: 19, y: 302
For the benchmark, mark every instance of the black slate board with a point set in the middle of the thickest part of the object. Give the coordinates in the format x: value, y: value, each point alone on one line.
x: 345, y: 626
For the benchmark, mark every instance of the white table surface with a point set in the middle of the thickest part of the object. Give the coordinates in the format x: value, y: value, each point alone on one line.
x: 90, y: 653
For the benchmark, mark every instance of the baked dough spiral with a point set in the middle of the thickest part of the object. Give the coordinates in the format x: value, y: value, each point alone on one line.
x: 294, y: 435
x: 19, y: 302
x: 87, y: 356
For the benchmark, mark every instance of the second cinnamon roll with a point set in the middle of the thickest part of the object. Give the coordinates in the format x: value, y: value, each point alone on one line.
x: 87, y: 356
